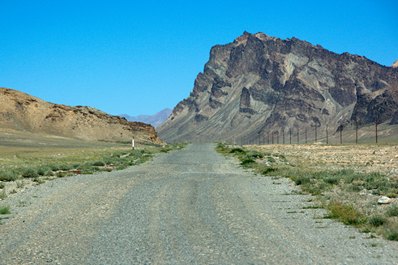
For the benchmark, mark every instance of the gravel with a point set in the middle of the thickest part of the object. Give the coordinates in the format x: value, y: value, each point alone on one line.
x: 191, y: 206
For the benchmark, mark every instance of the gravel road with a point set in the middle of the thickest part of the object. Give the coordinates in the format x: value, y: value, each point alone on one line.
x: 191, y: 206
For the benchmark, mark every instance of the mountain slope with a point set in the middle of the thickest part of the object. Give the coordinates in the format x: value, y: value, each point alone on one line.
x: 22, y: 112
x: 260, y: 83
x: 155, y: 120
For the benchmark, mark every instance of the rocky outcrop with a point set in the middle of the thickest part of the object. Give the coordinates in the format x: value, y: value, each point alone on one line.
x: 395, y: 64
x: 22, y: 112
x: 259, y: 83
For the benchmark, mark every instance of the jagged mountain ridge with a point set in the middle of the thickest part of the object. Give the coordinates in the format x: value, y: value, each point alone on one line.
x: 22, y: 112
x: 260, y: 83
x: 155, y: 120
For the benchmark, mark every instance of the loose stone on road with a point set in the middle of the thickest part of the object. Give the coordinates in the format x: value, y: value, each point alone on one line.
x: 191, y: 206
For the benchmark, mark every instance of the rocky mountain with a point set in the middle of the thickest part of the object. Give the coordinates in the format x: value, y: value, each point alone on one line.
x: 395, y: 64
x: 259, y: 83
x: 22, y: 112
x: 155, y: 120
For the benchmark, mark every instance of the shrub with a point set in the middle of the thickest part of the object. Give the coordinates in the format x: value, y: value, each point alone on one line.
x: 377, y: 220
x: 246, y: 162
x: 392, y: 210
x: 332, y: 180
x: 99, y: 164
x: 301, y: 180
x: 345, y: 213
x: 237, y: 150
x: 268, y: 170
x: 392, y: 233
x: 43, y: 171
x: 8, y: 176
x: 5, y: 210
x: 29, y: 173
x: 254, y: 154
x: 2, y: 185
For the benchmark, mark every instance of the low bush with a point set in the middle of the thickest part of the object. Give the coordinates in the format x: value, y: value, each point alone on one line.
x: 5, y: 210
x: 392, y: 210
x: 391, y: 233
x: 8, y: 175
x: 99, y: 164
x: 246, y: 162
x: 347, y: 214
x: 29, y: 173
x: 377, y: 220
x: 43, y: 171
x: 237, y: 150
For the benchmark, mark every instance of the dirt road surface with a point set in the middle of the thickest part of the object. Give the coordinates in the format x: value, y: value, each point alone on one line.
x: 191, y: 206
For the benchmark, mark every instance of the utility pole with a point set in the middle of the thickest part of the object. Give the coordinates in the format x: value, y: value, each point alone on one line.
x: 290, y: 135
x: 305, y: 134
x: 327, y: 135
x: 377, y: 140
x: 298, y: 135
x: 356, y: 131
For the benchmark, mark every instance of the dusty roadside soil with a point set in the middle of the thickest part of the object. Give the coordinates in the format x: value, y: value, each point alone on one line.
x: 363, y: 158
x: 191, y: 206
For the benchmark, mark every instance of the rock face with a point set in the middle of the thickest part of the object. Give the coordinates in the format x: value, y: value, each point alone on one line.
x: 22, y: 112
x: 395, y: 64
x: 260, y: 83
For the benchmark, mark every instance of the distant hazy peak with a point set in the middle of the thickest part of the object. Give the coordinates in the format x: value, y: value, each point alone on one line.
x: 395, y: 64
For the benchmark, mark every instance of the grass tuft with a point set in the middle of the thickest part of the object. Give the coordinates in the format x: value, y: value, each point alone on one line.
x: 347, y: 214
x: 30, y: 173
x: 5, y: 210
x: 9, y: 175
x: 377, y: 220
x: 392, y: 210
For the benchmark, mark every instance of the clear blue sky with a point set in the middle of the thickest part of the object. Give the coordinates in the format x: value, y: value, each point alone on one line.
x: 138, y: 57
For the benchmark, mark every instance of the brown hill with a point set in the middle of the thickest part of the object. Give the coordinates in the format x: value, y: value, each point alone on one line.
x: 259, y: 83
x: 22, y: 112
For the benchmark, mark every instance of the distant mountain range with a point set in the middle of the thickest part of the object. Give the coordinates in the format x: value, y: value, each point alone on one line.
x: 23, y: 112
x: 154, y: 120
x: 259, y: 83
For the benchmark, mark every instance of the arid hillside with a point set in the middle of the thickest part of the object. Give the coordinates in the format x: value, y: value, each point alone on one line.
x: 22, y: 112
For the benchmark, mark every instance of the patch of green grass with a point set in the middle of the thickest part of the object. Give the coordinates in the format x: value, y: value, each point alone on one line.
x: 43, y: 170
x: 347, y: 214
x: 247, y: 162
x: 9, y: 175
x: 237, y: 150
x: 377, y: 220
x: 99, y: 164
x: 29, y: 173
x: 392, y: 210
x: 391, y: 231
x: 5, y: 210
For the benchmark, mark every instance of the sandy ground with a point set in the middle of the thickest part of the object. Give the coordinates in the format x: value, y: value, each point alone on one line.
x: 363, y: 158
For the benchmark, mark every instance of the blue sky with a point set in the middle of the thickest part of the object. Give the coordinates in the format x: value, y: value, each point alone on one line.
x: 138, y: 57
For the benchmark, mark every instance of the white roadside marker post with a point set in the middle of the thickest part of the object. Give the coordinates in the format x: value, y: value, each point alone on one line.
x: 132, y: 144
